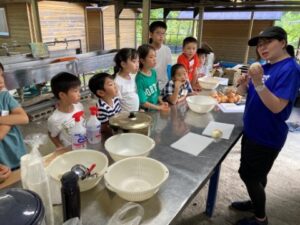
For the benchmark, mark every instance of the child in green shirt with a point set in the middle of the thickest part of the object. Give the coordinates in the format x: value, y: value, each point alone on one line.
x: 146, y: 80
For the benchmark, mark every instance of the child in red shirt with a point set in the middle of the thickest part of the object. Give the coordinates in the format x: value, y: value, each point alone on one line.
x: 190, y: 60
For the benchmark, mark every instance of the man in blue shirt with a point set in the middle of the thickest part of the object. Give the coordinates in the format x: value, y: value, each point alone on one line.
x: 272, y: 90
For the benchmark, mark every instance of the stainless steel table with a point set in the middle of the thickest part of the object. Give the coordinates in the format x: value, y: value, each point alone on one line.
x: 188, y: 174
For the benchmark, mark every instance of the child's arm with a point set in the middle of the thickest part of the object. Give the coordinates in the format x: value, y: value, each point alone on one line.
x: 194, y: 82
x: 174, y: 97
x: 17, y: 116
x: 55, y: 141
x: 4, y: 129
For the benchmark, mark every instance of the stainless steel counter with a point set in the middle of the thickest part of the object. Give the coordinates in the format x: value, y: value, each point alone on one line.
x: 188, y: 174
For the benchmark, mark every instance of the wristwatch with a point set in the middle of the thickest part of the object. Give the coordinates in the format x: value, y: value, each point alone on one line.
x: 259, y: 88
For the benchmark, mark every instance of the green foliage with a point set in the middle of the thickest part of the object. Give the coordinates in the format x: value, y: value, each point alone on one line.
x: 177, y: 30
x: 290, y: 21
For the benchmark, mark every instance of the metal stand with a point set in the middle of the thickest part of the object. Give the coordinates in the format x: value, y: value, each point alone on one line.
x: 212, y: 192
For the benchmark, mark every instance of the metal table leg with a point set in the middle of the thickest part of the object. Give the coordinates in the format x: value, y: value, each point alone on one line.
x: 212, y: 192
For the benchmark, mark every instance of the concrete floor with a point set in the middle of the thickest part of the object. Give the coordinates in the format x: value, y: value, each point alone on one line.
x: 283, y: 190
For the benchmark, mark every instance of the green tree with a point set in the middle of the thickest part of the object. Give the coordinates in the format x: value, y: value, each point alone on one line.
x: 290, y: 21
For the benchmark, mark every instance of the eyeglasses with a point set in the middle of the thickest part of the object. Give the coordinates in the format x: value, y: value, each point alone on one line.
x: 160, y: 33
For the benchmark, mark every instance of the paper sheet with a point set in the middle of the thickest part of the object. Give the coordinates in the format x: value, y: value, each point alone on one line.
x: 192, y: 143
x: 226, y: 129
x: 231, y: 108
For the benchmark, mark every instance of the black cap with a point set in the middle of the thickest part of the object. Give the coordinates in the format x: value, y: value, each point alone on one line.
x: 270, y: 32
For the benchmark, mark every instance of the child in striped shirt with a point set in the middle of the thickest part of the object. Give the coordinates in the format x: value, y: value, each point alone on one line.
x: 103, y: 86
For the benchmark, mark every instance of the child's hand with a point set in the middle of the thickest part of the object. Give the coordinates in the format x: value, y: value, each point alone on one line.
x: 179, y: 83
x: 164, y: 107
x: 196, y: 86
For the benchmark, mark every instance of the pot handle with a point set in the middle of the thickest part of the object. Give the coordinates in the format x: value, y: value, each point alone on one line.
x: 131, y: 115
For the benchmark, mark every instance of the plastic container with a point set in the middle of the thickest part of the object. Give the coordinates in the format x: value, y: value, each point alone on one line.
x: 78, y: 133
x: 15, y: 203
x: 129, y: 214
x: 70, y: 195
x: 93, y: 126
x: 63, y: 163
x: 34, y: 176
x: 201, y: 104
x: 137, y: 178
x: 126, y: 145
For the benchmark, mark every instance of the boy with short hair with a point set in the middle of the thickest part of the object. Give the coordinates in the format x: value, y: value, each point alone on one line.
x: 190, y: 60
x: 66, y: 88
x: 103, y: 86
x: 163, y: 53
x: 201, y: 70
x: 12, y: 147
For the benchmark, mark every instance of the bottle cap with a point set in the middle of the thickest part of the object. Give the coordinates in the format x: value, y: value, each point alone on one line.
x: 93, y: 110
x: 77, y: 116
x: 69, y: 179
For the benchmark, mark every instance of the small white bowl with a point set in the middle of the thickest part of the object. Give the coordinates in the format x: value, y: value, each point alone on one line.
x: 126, y: 145
x: 86, y: 157
x: 136, y: 179
x: 201, y: 104
x: 208, y: 83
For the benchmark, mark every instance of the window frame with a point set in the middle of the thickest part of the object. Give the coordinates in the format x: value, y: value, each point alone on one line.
x: 5, y: 34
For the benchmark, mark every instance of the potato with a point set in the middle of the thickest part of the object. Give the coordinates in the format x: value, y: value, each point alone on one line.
x: 216, y: 133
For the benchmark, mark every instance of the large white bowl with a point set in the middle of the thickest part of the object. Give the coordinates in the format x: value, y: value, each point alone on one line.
x: 137, y: 178
x: 86, y: 157
x: 126, y: 145
x: 201, y: 104
x: 208, y: 83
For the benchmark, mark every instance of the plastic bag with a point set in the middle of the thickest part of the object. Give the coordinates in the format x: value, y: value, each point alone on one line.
x: 73, y: 221
x: 34, y: 176
x: 129, y: 214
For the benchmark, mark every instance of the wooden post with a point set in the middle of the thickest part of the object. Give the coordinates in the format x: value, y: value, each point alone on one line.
x: 118, y: 10
x: 249, y: 36
x: 166, y: 13
x: 200, y: 25
x: 36, y: 21
x: 146, y: 18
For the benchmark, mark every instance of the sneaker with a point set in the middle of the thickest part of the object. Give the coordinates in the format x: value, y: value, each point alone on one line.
x: 252, y: 221
x: 242, y: 206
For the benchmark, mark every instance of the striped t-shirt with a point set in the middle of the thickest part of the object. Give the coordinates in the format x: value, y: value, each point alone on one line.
x: 105, y: 111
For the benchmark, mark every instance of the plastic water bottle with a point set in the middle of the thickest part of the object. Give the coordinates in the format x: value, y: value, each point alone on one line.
x: 93, y: 127
x: 78, y: 133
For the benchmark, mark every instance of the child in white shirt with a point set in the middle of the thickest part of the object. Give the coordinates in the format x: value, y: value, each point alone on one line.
x: 66, y: 88
x: 127, y: 64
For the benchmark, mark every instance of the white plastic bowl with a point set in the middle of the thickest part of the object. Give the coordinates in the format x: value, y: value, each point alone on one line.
x: 208, y: 83
x: 126, y: 145
x: 136, y: 179
x: 86, y: 157
x: 201, y: 104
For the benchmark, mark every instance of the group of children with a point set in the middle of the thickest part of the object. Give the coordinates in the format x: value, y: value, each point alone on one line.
x: 143, y: 79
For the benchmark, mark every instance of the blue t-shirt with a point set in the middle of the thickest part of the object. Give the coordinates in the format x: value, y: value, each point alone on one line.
x: 260, y: 124
x: 12, y: 146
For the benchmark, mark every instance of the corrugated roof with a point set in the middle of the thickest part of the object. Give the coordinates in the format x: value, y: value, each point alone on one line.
x: 233, y: 15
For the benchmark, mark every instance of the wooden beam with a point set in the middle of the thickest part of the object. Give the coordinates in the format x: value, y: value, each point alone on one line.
x: 118, y: 10
x: 166, y: 13
x: 249, y: 36
x: 200, y: 26
x: 36, y: 21
x: 146, y: 17
x: 14, y: 1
